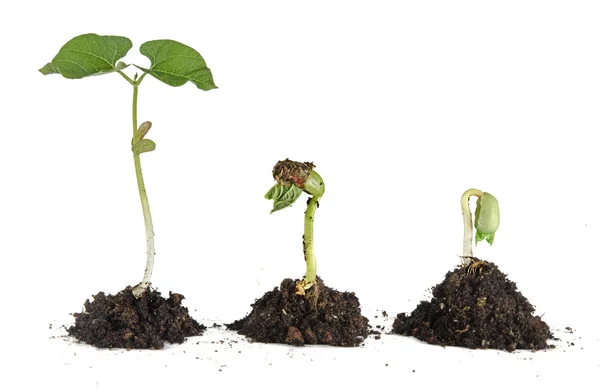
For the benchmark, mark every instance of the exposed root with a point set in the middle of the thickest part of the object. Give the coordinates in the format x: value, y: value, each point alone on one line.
x: 474, y: 265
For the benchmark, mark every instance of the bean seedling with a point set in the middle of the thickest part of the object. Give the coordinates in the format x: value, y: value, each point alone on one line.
x: 303, y: 311
x: 487, y: 220
x: 171, y: 62
x: 293, y: 178
x: 476, y: 305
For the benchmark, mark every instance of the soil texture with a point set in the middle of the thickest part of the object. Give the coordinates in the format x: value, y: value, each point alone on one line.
x: 124, y: 321
x: 476, y: 308
x: 282, y: 316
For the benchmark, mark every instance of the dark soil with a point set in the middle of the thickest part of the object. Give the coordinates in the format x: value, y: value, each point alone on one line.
x: 482, y: 309
x: 124, y: 321
x: 282, y: 316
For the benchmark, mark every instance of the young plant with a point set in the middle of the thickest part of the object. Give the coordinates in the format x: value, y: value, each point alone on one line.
x: 487, y: 220
x: 293, y: 178
x: 170, y: 62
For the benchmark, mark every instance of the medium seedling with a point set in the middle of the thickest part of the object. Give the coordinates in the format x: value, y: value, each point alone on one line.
x: 303, y: 311
x: 171, y: 62
x: 293, y: 178
x: 487, y: 220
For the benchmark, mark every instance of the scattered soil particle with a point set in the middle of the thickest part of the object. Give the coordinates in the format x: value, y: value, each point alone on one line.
x: 476, y: 310
x: 282, y: 316
x: 124, y: 321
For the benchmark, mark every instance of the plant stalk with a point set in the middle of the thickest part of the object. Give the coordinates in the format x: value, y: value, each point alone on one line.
x: 468, y: 220
x: 145, y: 283
x: 308, y: 243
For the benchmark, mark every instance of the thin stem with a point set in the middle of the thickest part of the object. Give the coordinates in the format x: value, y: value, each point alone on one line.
x: 134, y: 82
x: 141, y: 287
x: 134, y: 111
x: 468, y: 220
x: 308, y: 243
x: 126, y: 77
x: 139, y: 80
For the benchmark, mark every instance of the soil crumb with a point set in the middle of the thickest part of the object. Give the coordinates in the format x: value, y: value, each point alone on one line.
x: 482, y: 309
x: 124, y: 321
x: 282, y: 316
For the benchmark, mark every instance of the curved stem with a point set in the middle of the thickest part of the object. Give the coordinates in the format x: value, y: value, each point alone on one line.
x: 141, y: 287
x: 468, y: 220
x: 308, y: 243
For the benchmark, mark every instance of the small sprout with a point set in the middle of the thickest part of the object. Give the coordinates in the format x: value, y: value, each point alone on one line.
x: 293, y: 178
x: 487, y: 220
x: 172, y: 63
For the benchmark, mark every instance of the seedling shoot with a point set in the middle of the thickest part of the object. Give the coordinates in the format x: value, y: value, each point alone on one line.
x: 487, y: 220
x: 293, y: 178
x: 303, y: 311
x: 171, y: 62
x: 476, y: 305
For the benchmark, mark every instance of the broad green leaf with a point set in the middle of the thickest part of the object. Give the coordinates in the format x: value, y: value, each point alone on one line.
x: 89, y: 54
x: 283, y: 196
x: 144, y: 145
x: 175, y: 64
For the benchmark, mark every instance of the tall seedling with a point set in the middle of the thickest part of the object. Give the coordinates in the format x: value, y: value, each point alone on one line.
x: 171, y: 62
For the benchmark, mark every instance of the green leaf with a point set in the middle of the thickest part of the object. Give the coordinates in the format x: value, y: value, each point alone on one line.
x: 480, y: 236
x: 89, y: 54
x: 175, y: 64
x: 283, y: 196
x: 144, y: 145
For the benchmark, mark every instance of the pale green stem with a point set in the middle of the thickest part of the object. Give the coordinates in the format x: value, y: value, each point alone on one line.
x: 468, y: 220
x: 309, y: 249
x: 127, y: 77
x: 141, y: 287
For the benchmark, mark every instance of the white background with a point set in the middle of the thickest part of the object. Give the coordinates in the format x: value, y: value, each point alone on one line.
x: 401, y: 105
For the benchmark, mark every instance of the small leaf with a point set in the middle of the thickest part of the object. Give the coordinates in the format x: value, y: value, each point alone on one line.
x: 175, y: 64
x: 121, y: 65
x: 480, y: 236
x: 89, y: 54
x: 283, y: 196
x: 144, y: 128
x: 144, y: 145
